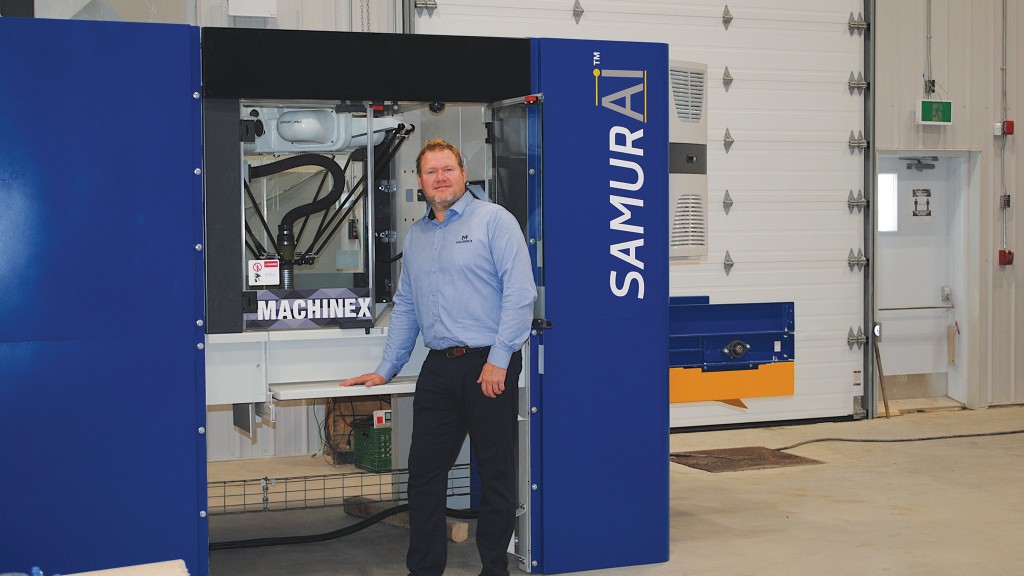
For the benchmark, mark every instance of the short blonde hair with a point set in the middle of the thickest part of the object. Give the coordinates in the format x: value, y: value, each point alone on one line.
x: 437, y: 145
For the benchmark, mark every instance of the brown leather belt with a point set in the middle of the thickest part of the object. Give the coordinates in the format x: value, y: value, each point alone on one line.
x: 457, y: 351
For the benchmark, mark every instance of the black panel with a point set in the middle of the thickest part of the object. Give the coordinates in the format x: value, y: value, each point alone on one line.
x: 222, y: 164
x: 18, y: 8
x: 687, y: 158
x: 313, y: 65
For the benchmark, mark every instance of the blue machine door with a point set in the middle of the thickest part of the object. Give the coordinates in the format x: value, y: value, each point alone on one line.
x: 599, y: 467
x: 102, y: 390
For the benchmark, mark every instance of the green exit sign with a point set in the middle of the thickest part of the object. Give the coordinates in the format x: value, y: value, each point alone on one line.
x: 934, y: 112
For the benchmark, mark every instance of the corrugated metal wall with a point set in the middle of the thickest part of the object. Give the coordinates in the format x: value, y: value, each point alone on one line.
x: 332, y: 15
x: 966, y: 61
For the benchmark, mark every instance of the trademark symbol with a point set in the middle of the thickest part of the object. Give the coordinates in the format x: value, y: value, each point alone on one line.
x: 597, y: 58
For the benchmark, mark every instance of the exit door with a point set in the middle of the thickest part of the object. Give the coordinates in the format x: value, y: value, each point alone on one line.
x: 921, y: 235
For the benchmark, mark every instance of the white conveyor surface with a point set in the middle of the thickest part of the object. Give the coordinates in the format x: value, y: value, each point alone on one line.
x: 331, y: 389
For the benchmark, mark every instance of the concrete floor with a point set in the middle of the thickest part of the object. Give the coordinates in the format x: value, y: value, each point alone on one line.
x: 915, y: 508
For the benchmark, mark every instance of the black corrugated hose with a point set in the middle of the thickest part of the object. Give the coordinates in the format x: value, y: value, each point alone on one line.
x: 350, y: 529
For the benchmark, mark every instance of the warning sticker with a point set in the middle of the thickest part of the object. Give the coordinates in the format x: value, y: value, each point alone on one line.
x: 264, y: 272
x: 922, y: 201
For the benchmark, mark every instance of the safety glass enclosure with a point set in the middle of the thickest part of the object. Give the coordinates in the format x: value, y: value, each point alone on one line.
x: 329, y: 190
x: 318, y: 213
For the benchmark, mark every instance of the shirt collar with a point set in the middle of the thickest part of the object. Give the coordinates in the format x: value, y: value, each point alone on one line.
x: 459, y: 207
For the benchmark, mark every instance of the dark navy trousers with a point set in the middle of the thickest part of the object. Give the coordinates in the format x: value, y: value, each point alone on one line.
x: 449, y: 404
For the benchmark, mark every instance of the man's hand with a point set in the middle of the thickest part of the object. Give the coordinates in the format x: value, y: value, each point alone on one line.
x: 492, y: 380
x: 371, y: 379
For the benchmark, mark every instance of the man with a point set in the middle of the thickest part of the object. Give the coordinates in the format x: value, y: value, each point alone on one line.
x: 467, y: 285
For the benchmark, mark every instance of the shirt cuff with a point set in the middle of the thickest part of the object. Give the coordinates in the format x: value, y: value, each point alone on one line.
x: 499, y: 357
x: 387, y: 370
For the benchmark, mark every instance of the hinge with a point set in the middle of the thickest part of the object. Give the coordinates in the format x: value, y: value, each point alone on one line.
x: 858, y: 260
x: 857, y: 141
x: 577, y: 11
x: 859, y: 338
x: 857, y: 83
x: 728, y: 263
x: 726, y: 17
x: 858, y: 201
x: 727, y: 79
x: 727, y: 202
x: 728, y: 140
x: 858, y: 24
x: 432, y: 5
x: 247, y: 130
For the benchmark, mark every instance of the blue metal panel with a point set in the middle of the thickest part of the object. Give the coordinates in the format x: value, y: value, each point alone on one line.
x: 603, y: 396
x: 102, y: 388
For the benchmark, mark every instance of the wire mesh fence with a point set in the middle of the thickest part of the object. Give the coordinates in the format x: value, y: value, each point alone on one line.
x: 293, y: 492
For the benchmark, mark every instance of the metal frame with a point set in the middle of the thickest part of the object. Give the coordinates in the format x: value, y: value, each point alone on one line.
x: 869, y: 400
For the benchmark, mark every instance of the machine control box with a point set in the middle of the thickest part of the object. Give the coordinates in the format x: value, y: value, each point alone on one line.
x: 382, y: 418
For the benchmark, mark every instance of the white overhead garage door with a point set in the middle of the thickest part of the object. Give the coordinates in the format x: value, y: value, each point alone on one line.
x: 789, y: 171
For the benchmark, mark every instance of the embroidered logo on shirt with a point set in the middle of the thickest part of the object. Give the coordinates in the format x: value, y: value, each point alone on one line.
x: 465, y: 239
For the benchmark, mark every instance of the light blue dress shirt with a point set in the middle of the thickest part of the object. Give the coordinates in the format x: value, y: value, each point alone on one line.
x: 466, y: 281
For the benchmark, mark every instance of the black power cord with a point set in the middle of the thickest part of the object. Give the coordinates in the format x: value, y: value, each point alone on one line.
x: 346, y: 531
x: 791, y: 446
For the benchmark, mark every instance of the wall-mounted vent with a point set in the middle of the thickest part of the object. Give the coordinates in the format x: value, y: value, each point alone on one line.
x: 688, y: 168
x: 688, y: 93
x: 688, y: 236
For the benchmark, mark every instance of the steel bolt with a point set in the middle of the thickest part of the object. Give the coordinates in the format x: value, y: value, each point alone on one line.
x: 199, y: 247
x: 202, y: 513
x: 200, y: 346
x: 199, y: 322
x: 533, y: 487
x: 533, y: 410
x: 202, y: 430
x: 532, y: 171
x: 197, y: 171
x: 533, y: 332
x: 195, y: 95
x: 534, y: 563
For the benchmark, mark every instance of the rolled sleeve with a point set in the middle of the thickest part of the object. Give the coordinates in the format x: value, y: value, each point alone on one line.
x: 512, y: 261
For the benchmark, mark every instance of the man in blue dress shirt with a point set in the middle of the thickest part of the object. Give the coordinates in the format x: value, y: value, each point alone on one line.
x: 467, y: 285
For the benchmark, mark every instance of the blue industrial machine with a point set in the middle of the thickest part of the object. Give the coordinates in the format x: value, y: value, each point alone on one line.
x: 138, y: 302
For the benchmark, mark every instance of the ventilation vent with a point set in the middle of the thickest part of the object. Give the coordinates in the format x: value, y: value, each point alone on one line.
x: 688, y: 236
x: 688, y: 93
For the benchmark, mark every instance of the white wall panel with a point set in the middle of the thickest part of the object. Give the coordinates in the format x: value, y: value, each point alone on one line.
x: 789, y: 171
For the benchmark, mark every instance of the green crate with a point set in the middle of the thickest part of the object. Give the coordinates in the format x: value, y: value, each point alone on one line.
x: 372, y: 448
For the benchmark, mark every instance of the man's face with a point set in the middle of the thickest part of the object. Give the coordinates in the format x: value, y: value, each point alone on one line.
x: 442, y: 180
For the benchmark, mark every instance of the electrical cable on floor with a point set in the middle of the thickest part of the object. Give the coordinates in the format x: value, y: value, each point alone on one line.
x: 790, y: 447
x: 346, y: 531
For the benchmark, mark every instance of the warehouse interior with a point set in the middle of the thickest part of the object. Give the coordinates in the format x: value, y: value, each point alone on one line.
x: 829, y: 215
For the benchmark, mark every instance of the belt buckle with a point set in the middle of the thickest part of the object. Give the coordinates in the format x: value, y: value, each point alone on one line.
x: 456, y: 351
